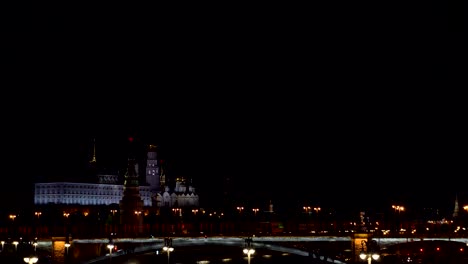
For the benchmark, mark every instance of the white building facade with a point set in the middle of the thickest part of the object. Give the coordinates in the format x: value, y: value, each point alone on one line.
x: 107, y: 191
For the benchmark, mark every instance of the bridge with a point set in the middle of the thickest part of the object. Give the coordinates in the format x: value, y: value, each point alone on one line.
x: 287, y: 244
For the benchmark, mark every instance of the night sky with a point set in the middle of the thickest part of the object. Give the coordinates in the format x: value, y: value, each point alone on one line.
x: 324, y: 120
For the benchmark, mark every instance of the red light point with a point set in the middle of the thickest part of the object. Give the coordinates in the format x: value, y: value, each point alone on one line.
x: 130, y: 139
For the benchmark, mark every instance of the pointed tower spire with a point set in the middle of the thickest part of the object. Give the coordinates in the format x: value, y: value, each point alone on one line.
x: 457, y: 207
x: 162, y: 176
x: 93, y: 160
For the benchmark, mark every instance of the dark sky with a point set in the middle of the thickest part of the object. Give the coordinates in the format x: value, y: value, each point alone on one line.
x: 286, y: 114
x: 299, y: 147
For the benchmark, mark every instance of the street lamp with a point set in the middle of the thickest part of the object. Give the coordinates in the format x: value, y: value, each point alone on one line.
x: 35, y: 244
x: 110, y: 246
x: 67, y: 245
x: 3, y: 244
x: 370, y: 251
x: 177, y: 211
x: 16, y: 245
x: 248, y: 248
x: 113, y: 211
x: 168, y: 247
x: 255, y: 210
x: 38, y: 214
x: 398, y: 208
x: 31, y: 260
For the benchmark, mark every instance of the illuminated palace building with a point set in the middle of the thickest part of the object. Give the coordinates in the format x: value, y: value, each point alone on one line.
x: 108, y: 189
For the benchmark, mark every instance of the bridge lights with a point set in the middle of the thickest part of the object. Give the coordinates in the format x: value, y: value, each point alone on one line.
x: 370, y: 251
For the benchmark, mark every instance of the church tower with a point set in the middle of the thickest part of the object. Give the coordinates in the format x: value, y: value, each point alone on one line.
x: 131, y: 205
x: 153, y: 170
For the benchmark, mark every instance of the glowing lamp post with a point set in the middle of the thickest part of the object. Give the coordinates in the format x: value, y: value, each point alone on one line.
x: 67, y: 245
x: 168, y: 247
x: 16, y: 245
x: 369, y: 252
x: 12, y: 217
x: 38, y: 214
x: 248, y: 249
x: 255, y: 210
x: 30, y: 260
x: 110, y: 246
x: 398, y: 208
x: 113, y: 211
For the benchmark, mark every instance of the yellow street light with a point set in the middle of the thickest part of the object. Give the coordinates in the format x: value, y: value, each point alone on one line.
x: 31, y: 260
x: 16, y: 244
x: 370, y: 251
x: 255, y: 210
x: 110, y: 246
x: 398, y: 208
x: 168, y: 247
x: 248, y: 249
x: 67, y: 245
x: 38, y: 214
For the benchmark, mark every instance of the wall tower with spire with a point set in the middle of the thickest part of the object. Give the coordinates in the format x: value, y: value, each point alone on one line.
x: 131, y: 205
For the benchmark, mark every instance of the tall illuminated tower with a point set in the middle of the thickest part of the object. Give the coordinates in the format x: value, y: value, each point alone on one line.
x: 131, y: 205
x: 153, y: 170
